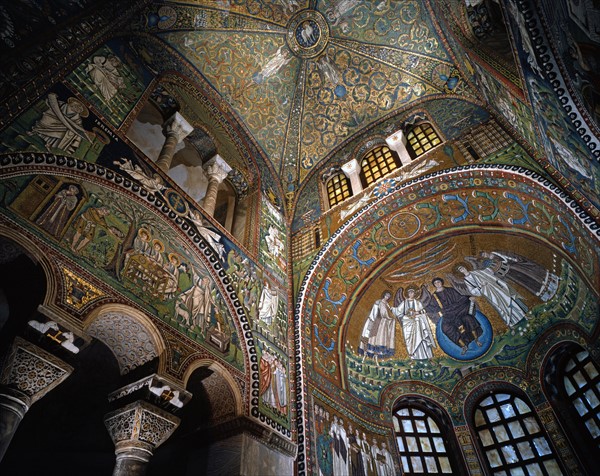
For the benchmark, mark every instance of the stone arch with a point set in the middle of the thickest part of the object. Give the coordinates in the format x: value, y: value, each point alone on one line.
x: 36, y: 255
x: 129, y: 334
x: 221, y: 388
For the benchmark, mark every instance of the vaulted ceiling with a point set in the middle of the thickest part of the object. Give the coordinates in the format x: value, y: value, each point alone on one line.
x: 306, y: 77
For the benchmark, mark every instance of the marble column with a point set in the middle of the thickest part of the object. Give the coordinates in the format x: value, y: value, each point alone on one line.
x: 216, y: 170
x: 352, y: 170
x: 397, y: 142
x: 559, y: 440
x: 137, y: 430
x: 463, y: 435
x: 175, y: 129
x: 28, y: 375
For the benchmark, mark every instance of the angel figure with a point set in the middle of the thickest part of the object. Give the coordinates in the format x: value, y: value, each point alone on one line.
x: 211, y: 237
x: 416, y: 327
x: 504, y: 299
x: 153, y: 184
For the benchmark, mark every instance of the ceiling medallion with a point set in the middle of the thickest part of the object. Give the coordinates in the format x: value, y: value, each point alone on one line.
x: 308, y: 33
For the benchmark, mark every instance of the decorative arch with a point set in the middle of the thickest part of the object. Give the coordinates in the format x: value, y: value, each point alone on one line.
x: 132, y: 336
x: 464, y: 201
x: 33, y: 251
x: 225, y: 378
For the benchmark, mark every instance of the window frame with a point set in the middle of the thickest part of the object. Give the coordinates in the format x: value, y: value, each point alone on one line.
x: 378, y: 169
x: 433, y: 412
x: 528, y: 434
x: 428, y: 142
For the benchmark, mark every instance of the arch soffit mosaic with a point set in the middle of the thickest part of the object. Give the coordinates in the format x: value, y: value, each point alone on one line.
x: 224, y: 375
x: 129, y: 334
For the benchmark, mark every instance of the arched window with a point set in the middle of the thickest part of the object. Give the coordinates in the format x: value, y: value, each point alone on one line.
x: 572, y: 384
x: 378, y: 163
x: 424, y: 442
x: 512, y: 439
x: 582, y: 385
x: 338, y: 189
x: 421, y: 138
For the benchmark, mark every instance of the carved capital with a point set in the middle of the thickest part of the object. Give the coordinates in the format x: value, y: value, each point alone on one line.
x: 217, y: 169
x: 33, y: 371
x: 141, y: 425
x: 157, y: 389
x: 351, y: 168
x: 176, y: 126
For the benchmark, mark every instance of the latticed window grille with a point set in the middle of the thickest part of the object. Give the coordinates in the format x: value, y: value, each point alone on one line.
x: 421, y: 138
x: 512, y: 438
x: 378, y: 163
x: 484, y: 141
x: 338, y: 189
x: 422, y: 447
x: 582, y: 384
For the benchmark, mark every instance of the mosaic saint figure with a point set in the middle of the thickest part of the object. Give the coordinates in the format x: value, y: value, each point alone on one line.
x: 521, y: 271
x: 324, y: 442
x: 85, y: 227
x: 457, y: 313
x: 416, y: 327
x: 384, y: 462
x: 366, y: 454
x: 156, y: 252
x: 505, y: 300
x: 195, y: 305
x: 61, y: 125
x: 104, y: 73
x: 268, y: 304
x: 340, y: 447
x: 379, y: 331
x: 357, y: 467
x: 55, y: 217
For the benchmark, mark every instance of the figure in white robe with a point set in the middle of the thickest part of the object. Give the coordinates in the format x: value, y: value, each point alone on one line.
x: 268, y: 304
x: 379, y: 331
x: 212, y: 237
x: 103, y: 71
x: 340, y: 447
x: 61, y: 125
x: 506, y: 301
x: 383, y: 459
x: 418, y: 334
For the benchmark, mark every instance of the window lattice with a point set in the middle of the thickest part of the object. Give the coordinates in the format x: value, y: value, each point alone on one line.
x: 305, y: 242
x: 378, y: 163
x: 420, y: 442
x: 512, y: 438
x: 582, y: 384
x: 484, y: 141
x: 338, y: 189
x: 422, y: 138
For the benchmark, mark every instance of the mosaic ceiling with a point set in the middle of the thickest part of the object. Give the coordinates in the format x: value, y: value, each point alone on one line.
x: 306, y: 77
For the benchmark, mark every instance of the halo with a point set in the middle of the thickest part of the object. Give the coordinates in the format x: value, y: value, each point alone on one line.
x: 160, y: 243
x: 416, y: 289
x: 176, y: 256
x: 85, y: 111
